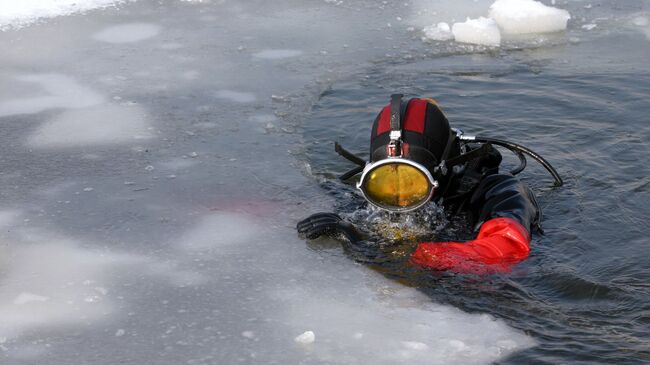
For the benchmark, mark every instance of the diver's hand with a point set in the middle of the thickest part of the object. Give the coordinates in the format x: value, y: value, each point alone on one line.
x: 320, y: 224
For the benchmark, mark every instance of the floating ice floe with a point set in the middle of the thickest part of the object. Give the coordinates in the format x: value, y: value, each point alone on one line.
x: 482, y: 31
x: 439, y: 32
x: 528, y: 16
x: 505, y: 17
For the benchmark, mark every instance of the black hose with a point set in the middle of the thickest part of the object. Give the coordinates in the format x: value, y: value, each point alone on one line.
x: 351, y: 173
x: 522, y: 149
x: 349, y: 155
x: 522, y: 163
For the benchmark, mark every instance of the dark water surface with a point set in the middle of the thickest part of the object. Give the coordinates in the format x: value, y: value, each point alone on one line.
x: 583, y: 294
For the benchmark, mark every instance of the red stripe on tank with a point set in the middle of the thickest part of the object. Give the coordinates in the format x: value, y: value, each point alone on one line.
x: 384, y: 121
x: 415, y: 114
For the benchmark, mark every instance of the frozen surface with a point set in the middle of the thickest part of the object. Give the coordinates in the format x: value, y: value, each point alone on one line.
x: 384, y: 323
x: 153, y: 170
x: 528, y: 16
x: 482, y: 31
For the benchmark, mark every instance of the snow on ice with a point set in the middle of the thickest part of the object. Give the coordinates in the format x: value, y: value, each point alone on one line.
x: 20, y: 13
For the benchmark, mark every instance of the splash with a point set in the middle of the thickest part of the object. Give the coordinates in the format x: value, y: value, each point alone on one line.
x: 410, y: 226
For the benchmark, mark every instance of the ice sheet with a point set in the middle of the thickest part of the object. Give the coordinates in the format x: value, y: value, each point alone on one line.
x: 384, y: 323
x: 161, y: 189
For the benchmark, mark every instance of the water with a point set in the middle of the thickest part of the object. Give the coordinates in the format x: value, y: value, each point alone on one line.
x: 156, y: 156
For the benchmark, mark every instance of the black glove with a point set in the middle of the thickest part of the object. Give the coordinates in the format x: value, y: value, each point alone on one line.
x: 361, y: 247
x: 320, y: 224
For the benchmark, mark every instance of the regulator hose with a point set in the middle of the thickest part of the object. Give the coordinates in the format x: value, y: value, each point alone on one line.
x: 519, y: 149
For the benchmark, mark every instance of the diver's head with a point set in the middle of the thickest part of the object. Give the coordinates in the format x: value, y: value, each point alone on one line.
x: 409, y: 140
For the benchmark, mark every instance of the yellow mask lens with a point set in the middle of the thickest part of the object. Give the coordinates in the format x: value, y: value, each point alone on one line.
x: 396, y: 185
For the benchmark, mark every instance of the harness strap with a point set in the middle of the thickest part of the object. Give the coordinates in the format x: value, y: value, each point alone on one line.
x: 484, y: 150
x: 395, y: 111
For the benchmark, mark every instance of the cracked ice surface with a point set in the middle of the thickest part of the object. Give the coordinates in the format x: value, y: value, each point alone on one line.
x: 150, y: 189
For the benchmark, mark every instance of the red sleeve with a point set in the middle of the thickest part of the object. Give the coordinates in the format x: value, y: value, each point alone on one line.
x: 501, y: 243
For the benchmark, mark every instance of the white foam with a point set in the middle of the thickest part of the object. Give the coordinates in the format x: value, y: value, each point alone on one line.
x: 482, y: 31
x: 127, y: 33
x: 19, y: 13
x: 276, y: 54
x: 236, y: 96
x: 439, y: 32
x: 100, y: 125
x: 528, y: 16
x: 60, y: 92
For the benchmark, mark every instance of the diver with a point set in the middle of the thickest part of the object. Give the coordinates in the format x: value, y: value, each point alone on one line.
x: 415, y: 158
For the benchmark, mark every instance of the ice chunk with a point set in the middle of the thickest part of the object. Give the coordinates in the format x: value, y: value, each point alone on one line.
x: 127, y: 33
x: 439, y: 32
x: 276, y: 54
x: 528, y: 16
x: 306, y: 337
x: 101, y: 125
x: 477, y: 31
